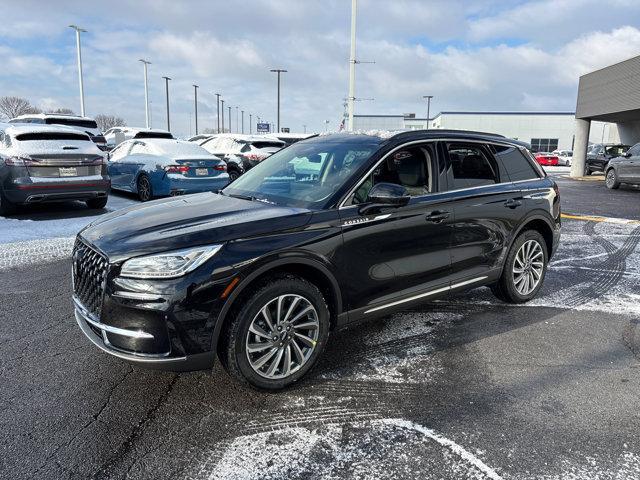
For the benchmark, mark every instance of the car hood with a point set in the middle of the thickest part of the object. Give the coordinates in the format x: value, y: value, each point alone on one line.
x: 181, y: 222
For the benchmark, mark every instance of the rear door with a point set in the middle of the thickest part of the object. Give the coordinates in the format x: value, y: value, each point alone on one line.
x: 116, y: 159
x: 487, y: 206
x: 397, y: 255
x: 629, y: 169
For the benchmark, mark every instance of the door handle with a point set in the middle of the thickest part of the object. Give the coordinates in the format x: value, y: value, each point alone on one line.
x: 512, y: 203
x: 437, y: 216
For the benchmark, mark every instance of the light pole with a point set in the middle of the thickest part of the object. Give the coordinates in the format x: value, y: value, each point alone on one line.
x: 218, y: 107
x: 195, y: 103
x: 229, y: 118
x: 79, y: 52
x: 146, y: 91
x: 352, y: 66
x: 250, y: 124
x: 428, y: 97
x: 278, y: 71
x: 242, y: 120
x: 222, y: 119
x: 305, y: 128
x: 326, y: 125
x: 166, y: 86
x: 237, y: 121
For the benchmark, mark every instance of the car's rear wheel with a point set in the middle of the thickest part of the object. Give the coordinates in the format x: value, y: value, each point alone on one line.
x: 97, y: 203
x: 524, y: 269
x: 143, y: 187
x: 6, y: 207
x: 277, y: 333
x: 611, y: 179
x: 587, y: 171
x: 233, y: 175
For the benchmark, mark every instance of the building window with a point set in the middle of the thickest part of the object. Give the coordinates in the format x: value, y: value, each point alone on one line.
x: 544, y: 144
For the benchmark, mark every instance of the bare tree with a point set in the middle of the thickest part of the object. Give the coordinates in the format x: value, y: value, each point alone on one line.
x: 105, y: 122
x: 63, y: 111
x: 12, y: 107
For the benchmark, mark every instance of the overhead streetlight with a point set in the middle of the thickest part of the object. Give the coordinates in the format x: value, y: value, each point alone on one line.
x: 79, y: 54
x: 229, y: 118
x: 242, y: 120
x: 237, y: 121
x: 352, y: 66
x: 428, y: 97
x: 278, y: 71
x: 222, y: 119
x: 326, y: 125
x: 195, y: 102
x: 218, y: 109
x: 250, y: 124
x: 146, y: 91
x: 166, y: 86
x: 305, y: 128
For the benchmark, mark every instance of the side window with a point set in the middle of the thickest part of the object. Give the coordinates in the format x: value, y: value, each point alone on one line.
x: 120, y: 152
x: 515, y: 163
x: 471, y: 166
x: 410, y: 167
x: 140, y: 148
x: 635, y: 150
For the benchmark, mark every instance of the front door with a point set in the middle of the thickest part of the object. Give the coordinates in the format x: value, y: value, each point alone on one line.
x: 395, y: 255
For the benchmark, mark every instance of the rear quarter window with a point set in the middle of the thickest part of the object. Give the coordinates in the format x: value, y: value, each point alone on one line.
x: 516, y: 165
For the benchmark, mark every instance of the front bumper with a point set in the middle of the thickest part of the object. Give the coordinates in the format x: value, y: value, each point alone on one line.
x: 100, y: 333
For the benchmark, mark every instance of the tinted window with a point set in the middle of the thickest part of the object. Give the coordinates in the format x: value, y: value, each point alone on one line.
x: 617, y: 150
x: 51, y: 136
x: 410, y: 167
x: 515, y: 163
x: 471, y: 166
x: 153, y: 135
x: 267, y: 144
x: 635, y: 150
x: 72, y: 122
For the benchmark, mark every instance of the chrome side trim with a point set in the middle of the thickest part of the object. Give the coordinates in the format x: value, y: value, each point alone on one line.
x: 426, y: 294
x: 149, y: 297
x: 91, y: 319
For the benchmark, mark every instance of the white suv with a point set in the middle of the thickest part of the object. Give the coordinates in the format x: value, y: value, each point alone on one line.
x: 84, y: 124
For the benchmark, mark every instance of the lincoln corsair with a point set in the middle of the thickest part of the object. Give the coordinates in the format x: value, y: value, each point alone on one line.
x: 325, y: 233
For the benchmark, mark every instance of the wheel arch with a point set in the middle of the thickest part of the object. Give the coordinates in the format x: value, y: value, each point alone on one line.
x: 542, y: 225
x: 310, y: 269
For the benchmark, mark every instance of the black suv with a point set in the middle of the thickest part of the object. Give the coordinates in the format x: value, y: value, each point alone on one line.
x: 600, y: 154
x: 329, y: 231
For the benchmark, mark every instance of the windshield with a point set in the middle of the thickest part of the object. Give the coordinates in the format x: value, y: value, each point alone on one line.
x: 305, y: 174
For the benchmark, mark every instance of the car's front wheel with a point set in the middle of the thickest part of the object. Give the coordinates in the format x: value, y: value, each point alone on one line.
x: 276, y: 334
x: 524, y: 269
x: 611, y: 179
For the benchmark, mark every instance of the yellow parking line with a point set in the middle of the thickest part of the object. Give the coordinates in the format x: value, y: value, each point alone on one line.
x: 594, y: 218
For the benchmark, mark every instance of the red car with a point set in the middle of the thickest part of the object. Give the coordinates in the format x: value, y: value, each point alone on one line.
x: 547, y: 159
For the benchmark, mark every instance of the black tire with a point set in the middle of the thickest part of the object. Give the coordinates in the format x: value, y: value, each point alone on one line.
x: 232, y: 350
x: 6, y: 207
x: 587, y: 171
x: 233, y: 175
x: 611, y: 179
x: 506, y: 289
x: 143, y: 188
x: 97, y: 203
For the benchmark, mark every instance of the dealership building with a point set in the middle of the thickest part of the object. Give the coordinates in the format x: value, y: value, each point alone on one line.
x: 545, y: 131
x: 612, y: 95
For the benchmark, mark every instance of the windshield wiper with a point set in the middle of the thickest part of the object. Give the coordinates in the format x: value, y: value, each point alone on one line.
x: 241, y: 197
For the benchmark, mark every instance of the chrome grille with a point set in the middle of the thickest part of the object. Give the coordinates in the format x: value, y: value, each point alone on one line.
x: 89, y: 274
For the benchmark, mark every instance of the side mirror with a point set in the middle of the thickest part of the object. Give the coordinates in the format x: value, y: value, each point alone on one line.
x: 627, y: 155
x: 385, y: 195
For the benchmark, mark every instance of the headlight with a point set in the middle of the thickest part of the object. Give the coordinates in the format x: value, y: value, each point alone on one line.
x: 169, y: 264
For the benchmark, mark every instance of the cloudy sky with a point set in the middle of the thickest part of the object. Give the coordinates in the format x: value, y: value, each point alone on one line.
x: 471, y: 55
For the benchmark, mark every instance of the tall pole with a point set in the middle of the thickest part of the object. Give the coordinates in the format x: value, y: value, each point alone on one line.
x: 242, y: 120
x: 229, y: 118
x: 195, y: 103
x: 79, y: 54
x: 146, y: 91
x: 278, y: 71
x: 237, y: 121
x: 352, y: 65
x: 250, y: 124
x: 428, y: 97
x: 305, y: 128
x: 166, y: 87
x: 218, y: 107
x: 222, y: 119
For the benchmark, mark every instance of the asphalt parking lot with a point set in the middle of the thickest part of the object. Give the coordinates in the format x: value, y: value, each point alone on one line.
x: 466, y: 387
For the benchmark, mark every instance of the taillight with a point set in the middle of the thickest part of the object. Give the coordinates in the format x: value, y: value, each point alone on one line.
x: 18, y: 161
x: 256, y: 156
x: 98, y: 161
x: 176, y: 169
x: 221, y: 167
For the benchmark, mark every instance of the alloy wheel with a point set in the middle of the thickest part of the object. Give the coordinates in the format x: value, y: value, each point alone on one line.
x: 144, y: 189
x: 528, y: 267
x: 611, y: 178
x: 282, y: 336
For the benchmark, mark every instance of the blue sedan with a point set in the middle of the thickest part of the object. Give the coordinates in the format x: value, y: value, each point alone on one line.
x: 155, y: 167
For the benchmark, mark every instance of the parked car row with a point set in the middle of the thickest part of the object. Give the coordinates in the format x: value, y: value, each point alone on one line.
x: 624, y: 168
x: 599, y: 155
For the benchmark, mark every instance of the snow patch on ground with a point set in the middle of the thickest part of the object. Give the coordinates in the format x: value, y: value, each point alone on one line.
x: 19, y: 254
x: 375, y: 449
x: 627, y: 467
